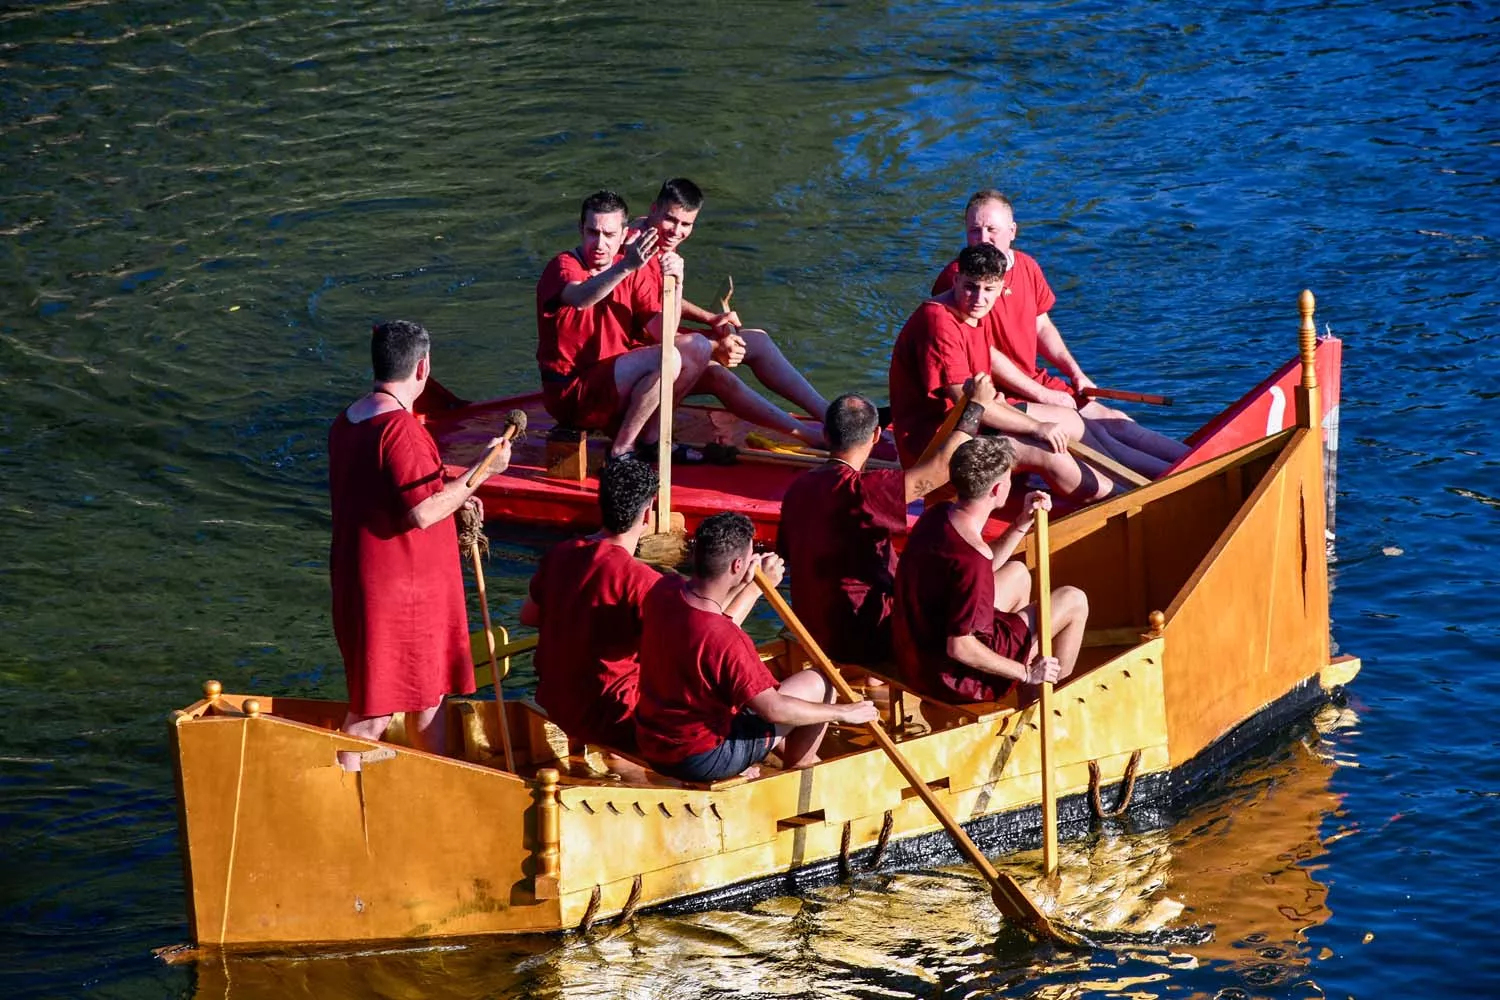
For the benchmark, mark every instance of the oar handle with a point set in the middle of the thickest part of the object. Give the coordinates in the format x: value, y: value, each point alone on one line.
x: 483, y: 468
x: 944, y: 429
x: 1126, y: 396
x: 1044, y: 703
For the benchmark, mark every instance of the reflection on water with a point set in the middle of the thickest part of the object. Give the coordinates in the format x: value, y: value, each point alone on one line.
x: 1229, y: 890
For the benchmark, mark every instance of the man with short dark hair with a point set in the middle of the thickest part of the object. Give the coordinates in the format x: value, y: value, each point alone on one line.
x: 599, y: 328
x: 1020, y: 326
x: 964, y: 627
x: 398, y: 592
x: 586, y: 601
x: 709, y: 708
x: 673, y: 216
x: 940, y: 347
x: 838, y: 522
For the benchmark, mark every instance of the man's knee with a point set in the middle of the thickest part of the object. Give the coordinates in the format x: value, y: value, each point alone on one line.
x: 695, y: 349
x: 757, y: 343
x: 1071, y: 602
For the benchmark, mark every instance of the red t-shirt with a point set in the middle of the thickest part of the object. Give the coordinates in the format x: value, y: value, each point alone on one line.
x: 835, y: 534
x: 1011, y: 325
x: 591, y: 593
x: 944, y: 587
x: 570, y: 340
x: 698, y: 670
x: 935, y: 349
x: 398, y: 592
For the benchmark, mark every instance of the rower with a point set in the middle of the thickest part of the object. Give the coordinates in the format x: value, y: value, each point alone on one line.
x: 709, y: 708
x: 940, y: 347
x: 838, y: 522
x: 963, y: 626
x: 586, y: 601
x: 599, y: 328
x: 1020, y: 325
x: 672, y: 217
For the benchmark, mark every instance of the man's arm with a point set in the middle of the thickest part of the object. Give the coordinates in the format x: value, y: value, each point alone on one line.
x: 1005, y: 546
x: 971, y: 651
x: 785, y: 710
x: 583, y: 294
x: 455, y: 493
x: 740, y: 605
x: 1003, y: 417
x: 924, y: 478
x: 1018, y: 384
x: 1049, y: 342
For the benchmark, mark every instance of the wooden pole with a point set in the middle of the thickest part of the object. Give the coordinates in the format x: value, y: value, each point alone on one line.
x: 1044, y: 627
x: 664, y: 406
x: 1009, y: 898
x: 940, y: 438
x: 489, y: 642
x: 1126, y: 396
x: 1102, y: 461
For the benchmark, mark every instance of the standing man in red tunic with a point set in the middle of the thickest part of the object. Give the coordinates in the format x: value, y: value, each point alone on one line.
x: 398, y: 590
x: 1021, y: 324
x: 963, y: 626
x: 838, y: 521
x: 599, y: 328
x: 940, y: 347
x: 587, y: 599
x: 672, y: 216
x: 709, y: 709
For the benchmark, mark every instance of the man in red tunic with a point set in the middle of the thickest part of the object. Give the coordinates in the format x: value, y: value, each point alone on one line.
x: 599, y: 328
x: 398, y: 592
x: 837, y: 523
x: 1020, y: 325
x: 962, y: 626
x: 672, y: 216
x: 940, y: 347
x: 586, y: 600
x: 709, y: 709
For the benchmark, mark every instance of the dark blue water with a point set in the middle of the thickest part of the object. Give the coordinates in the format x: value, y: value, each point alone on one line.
x: 203, y: 208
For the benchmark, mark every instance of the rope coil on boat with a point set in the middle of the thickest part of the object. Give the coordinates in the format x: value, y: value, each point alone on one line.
x: 627, y: 914
x: 587, y: 923
x: 471, y: 530
x: 885, y: 838
x: 1125, y: 796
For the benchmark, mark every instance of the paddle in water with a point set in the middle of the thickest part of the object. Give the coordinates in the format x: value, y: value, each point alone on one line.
x: 1009, y: 898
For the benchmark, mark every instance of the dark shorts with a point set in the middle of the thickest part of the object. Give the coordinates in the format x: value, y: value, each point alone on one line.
x: 587, y: 400
x: 1011, y: 639
x: 750, y: 739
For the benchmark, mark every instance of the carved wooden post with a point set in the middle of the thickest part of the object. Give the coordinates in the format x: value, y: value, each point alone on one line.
x: 1308, y: 414
x: 548, y: 835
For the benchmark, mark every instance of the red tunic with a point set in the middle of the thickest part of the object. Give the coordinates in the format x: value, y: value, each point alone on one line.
x: 571, y: 343
x: 946, y: 587
x: 591, y: 593
x: 398, y: 591
x: 835, y: 534
x: 934, y: 349
x: 1011, y: 325
x: 698, y: 670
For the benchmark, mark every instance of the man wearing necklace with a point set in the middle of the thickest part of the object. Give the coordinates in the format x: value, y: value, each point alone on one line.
x: 838, y: 520
x: 398, y: 592
x: 586, y: 600
x: 1020, y: 325
x: 709, y: 708
x: 961, y: 626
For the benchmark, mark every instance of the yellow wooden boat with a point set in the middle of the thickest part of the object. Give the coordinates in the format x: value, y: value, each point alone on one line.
x: 1209, y: 605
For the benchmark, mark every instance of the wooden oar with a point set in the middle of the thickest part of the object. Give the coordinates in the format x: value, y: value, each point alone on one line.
x: 944, y: 429
x: 1097, y: 458
x: 1126, y: 396
x: 665, y: 546
x: 1009, y: 898
x: 1044, y: 627
x: 724, y: 299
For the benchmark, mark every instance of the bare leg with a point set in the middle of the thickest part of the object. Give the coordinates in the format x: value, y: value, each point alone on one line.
x: 1063, y: 472
x: 749, y: 405
x: 1119, y: 425
x: 778, y: 374
x: 429, y: 729
x: 638, y: 378
x: 367, y: 727
x: 1012, y: 586
x: 1097, y: 436
x: 1071, y: 422
x: 1070, y: 613
x: 799, y: 744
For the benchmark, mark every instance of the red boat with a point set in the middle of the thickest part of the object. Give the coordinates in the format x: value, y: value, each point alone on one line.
x: 543, y: 486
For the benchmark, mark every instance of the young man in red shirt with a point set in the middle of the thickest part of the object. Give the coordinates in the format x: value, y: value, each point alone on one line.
x: 963, y: 627
x: 837, y: 523
x: 709, y: 709
x: 940, y: 347
x: 599, y: 328
x: 1020, y: 325
x: 586, y: 600
x: 398, y: 592
x: 672, y: 217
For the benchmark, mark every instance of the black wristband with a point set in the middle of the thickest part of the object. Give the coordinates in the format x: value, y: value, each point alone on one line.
x: 969, y: 422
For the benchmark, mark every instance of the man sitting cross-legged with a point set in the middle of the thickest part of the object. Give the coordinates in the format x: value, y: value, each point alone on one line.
x: 963, y: 627
x: 838, y: 522
x: 940, y: 347
x: 672, y: 216
x: 709, y: 708
x: 599, y: 328
x: 586, y: 600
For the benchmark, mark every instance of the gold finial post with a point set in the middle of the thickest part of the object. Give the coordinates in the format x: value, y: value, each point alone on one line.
x: 252, y: 707
x: 548, y: 835
x: 1308, y: 340
x: 1158, y: 623
x: 212, y: 690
